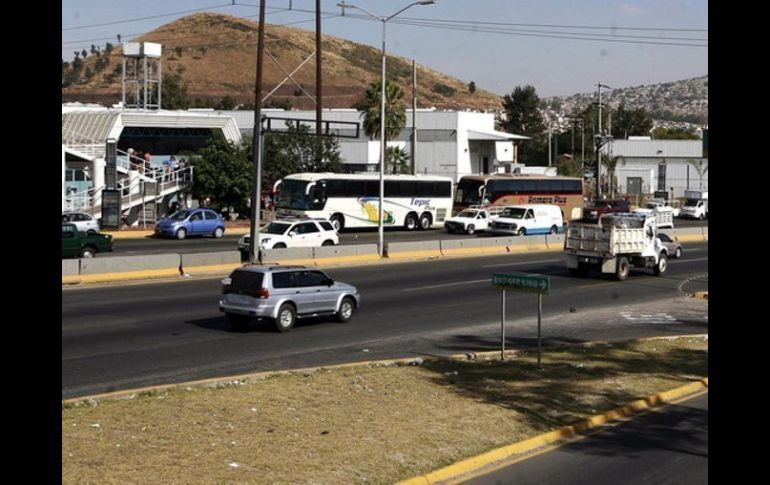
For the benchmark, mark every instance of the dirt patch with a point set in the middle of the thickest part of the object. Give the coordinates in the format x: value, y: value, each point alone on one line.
x: 376, y: 423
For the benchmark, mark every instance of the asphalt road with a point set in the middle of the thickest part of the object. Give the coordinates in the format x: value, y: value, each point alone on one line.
x: 151, y: 245
x: 668, y: 446
x: 118, y: 337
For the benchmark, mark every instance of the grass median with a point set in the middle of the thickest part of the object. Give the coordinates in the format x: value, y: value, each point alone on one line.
x: 375, y: 423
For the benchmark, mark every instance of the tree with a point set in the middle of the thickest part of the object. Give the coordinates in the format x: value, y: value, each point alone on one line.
x: 702, y: 167
x: 661, y: 133
x: 226, y: 103
x: 223, y: 173
x: 108, y: 48
x: 298, y: 150
x: 569, y: 166
x: 630, y: 122
x: 395, y: 113
x: 174, y: 92
x: 523, y: 117
x: 472, y: 87
x: 397, y: 160
x: 84, y: 53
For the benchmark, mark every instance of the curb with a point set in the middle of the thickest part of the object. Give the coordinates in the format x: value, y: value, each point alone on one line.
x: 701, y: 295
x: 475, y: 464
x: 235, y: 231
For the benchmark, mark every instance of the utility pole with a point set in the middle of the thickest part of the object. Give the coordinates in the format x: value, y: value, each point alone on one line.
x: 549, y: 145
x: 318, y: 83
x: 256, y: 153
x: 599, y: 140
x: 414, y: 117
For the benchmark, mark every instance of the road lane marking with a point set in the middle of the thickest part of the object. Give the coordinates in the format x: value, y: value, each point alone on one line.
x: 472, y: 282
x: 524, y: 262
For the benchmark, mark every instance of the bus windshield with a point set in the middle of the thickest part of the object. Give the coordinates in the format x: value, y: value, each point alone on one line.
x: 295, y: 195
x: 468, y: 192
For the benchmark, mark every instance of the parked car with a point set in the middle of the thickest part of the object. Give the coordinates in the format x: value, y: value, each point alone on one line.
x: 673, y: 246
x: 293, y: 233
x: 191, y: 222
x: 598, y: 207
x: 83, y: 221
x: 79, y: 244
x: 520, y: 220
x: 468, y: 221
x: 282, y: 294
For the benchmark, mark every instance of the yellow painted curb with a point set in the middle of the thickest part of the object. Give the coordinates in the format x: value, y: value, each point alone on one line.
x: 692, y: 238
x: 212, y: 268
x: 69, y: 280
x: 415, y: 254
x: 701, y: 295
x: 129, y: 275
x: 129, y: 234
x: 476, y: 463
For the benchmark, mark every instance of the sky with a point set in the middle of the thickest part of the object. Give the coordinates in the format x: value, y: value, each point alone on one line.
x: 561, y: 47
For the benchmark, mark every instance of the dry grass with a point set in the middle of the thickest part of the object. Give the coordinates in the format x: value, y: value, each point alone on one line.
x: 374, y: 424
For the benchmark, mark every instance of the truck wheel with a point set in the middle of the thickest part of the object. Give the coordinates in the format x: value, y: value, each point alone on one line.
x: 347, y: 309
x: 554, y: 230
x: 662, y: 265
x: 286, y: 318
x: 410, y: 224
x: 470, y: 230
x: 88, y: 252
x: 624, y: 268
x: 338, y: 222
x: 425, y: 221
x: 522, y: 232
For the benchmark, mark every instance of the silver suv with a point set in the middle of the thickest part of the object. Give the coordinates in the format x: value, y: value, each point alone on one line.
x: 284, y: 293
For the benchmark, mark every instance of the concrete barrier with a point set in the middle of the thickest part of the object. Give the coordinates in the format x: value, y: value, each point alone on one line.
x: 70, y: 271
x: 413, y: 250
x: 689, y: 234
x: 95, y: 270
x: 286, y: 256
x: 210, y: 262
x: 351, y: 254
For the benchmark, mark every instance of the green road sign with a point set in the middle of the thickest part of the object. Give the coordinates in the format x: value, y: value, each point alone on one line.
x: 521, y: 282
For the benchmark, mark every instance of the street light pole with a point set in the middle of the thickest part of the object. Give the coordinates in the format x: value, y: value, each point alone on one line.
x: 384, y: 20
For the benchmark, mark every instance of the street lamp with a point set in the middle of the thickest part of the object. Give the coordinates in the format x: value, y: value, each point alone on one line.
x: 384, y: 20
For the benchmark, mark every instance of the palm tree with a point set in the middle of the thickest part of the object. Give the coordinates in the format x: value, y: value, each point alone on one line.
x: 610, y: 164
x: 395, y: 113
x: 397, y: 160
x: 701, y: 169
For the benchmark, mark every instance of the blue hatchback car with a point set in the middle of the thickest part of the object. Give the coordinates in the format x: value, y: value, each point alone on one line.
x: 191, y: 222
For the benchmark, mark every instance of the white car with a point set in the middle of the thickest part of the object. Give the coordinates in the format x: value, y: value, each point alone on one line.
x: 83, y: 221
x: 661, y: 205
x: 468, y: 221
x: 293, y: 233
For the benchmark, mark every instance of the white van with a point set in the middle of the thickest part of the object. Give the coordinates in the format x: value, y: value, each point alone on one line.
x: 522, y: 220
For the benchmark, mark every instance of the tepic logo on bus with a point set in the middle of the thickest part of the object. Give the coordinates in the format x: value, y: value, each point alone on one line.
x: 421, y: 202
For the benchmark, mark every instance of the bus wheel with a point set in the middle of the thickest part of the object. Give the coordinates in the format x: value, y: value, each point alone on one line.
x: 425, y: 221
x: 411, y: 222
x: 338, y: 222
x: 554, y: 230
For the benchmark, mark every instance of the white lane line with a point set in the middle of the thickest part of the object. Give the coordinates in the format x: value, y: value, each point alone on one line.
x: 472, y: 282
x: 688, y: 260
x: 524, y: 262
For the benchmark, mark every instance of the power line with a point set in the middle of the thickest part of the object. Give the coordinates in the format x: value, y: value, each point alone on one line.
x: 146, y: 18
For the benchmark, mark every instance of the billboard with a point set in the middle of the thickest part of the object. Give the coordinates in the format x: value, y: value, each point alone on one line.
x: 111, y: 209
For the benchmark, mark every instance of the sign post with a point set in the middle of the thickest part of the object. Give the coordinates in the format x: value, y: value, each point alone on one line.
x: 527, y: 283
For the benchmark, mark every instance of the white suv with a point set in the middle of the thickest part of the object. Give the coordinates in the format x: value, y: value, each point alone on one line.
x: 293, y: 233
x: 83, y: 221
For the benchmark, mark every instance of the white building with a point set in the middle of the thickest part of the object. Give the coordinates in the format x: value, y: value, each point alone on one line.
x: 648, y: 166
x: 449, y: 143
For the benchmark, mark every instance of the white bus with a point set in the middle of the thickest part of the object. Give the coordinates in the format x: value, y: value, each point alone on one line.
x: 353, y: 201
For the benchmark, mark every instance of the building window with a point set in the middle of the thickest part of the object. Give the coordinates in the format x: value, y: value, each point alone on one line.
x: 662, y: 175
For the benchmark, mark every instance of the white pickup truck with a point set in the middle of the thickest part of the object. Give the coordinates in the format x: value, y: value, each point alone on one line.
x: 664, y: 213
x: 471, y: 220
x: 614, y: 244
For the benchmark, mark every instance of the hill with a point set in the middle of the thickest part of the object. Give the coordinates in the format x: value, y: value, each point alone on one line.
x: 216, y: 56
x: 677, y: 101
